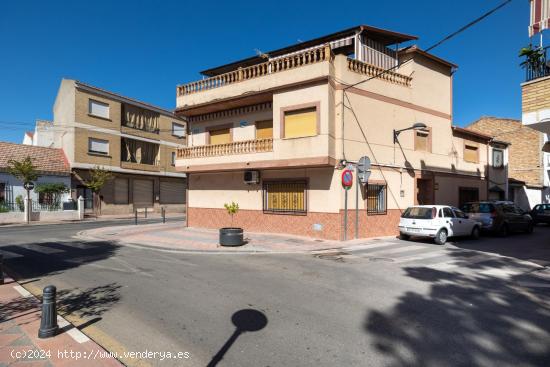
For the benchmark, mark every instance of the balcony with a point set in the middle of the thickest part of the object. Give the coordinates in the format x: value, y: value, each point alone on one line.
x: 539, y: 68
x: 237, y: 147
x: 153, y: 167
x: 376, y: 71
x: 265, y: 77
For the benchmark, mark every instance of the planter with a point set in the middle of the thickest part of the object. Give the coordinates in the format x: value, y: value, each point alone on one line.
x: 231, y: 237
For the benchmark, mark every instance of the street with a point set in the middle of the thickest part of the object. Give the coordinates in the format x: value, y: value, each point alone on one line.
x: 385, y: 303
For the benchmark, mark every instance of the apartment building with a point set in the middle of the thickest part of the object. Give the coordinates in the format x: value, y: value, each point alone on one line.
x: 274, y: 132
x: 134, y: 140
x: 528, y: 164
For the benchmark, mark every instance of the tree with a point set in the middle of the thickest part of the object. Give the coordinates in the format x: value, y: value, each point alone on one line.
x: 54, y: 190
x: 98, y: 178
x: 232, y: 209
x: 534, y: 57
x: 23, y: 170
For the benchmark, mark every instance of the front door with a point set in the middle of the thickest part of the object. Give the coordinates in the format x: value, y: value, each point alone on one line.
x: 424, y: 191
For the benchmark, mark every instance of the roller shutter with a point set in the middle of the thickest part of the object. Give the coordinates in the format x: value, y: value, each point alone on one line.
x: 172, y: 192
x: 143, y: 193
x: 121, y: 191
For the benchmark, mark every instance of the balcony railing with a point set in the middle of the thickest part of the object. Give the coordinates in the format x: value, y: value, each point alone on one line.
x: 539, y: 69
x: 237, y: 147
x: 289, y: 62
x: 371, y: 70
x: 149, y: 129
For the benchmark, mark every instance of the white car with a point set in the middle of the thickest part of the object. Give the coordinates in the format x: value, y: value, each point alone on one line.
x: 438, y: 222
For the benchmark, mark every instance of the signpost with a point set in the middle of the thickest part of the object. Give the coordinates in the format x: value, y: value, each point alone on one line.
x: 347, y: 182
x: 28, y: 186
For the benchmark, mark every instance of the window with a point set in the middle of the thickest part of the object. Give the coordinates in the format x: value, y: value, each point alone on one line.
x: 285, y: 197
x: 2, y: 192
x: 173, y: 159
x: 498, y: 158
x: 459, y: 213
x: 45, y: 198
x: 376, y: 199
x: 471, y: 154
x: 178, y: 130
x: 264, y: 129
x: 98, y: 146
x: 447, y: 213
x: 220, y: 136
x: 98, y: 109
x: 300, y: 123
x: 422, y: 140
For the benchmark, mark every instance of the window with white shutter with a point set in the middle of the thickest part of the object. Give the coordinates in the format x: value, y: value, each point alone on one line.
x: 178, y: 130
x: 98, y: 146
x: 98, y: 109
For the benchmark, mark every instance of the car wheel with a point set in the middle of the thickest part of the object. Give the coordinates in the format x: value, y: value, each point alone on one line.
x: 529, y: 228
x: 441, y: 237
x: 475, y: 233
x: 404, y: 237
x: 503, y: 230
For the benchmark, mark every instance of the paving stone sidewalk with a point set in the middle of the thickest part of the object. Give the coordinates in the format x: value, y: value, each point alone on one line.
x: 173, y: 236
x: 19, y: 342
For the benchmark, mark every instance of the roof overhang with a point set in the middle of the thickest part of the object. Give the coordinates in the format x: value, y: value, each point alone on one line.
x: 383, y: 36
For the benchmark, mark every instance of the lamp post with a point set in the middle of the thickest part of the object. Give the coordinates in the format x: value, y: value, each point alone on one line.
x: 416, y: 126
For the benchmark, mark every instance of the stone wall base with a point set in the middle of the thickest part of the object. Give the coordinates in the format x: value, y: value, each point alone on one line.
x: 316, y: 225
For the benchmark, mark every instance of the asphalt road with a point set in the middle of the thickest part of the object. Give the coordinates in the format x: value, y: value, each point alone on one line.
x: 395, y: 303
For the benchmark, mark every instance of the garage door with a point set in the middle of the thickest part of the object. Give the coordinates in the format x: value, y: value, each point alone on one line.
x: 121, y: 191
x: 172, y: 192
x: 143, y: 193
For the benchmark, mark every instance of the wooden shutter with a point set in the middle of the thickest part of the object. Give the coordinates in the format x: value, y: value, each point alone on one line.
x: 121, y: 191
x: 143, y: 193
x: 172, y: 192
x: 300, y: 123
x: 470, y: 153
x: 264, y: 129
x: 220, y: 136
x: 422, y: 140
x: 285, y: 197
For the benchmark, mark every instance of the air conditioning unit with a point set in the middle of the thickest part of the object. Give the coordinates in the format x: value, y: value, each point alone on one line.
x: 251, y: 177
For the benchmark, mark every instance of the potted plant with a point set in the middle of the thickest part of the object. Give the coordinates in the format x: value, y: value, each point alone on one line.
x: 535, y: 60
x: 231, y: 236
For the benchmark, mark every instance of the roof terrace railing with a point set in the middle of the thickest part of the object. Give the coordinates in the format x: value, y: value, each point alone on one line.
x: 540, y: 69
x: 294, y: 61
x: 236, y: 147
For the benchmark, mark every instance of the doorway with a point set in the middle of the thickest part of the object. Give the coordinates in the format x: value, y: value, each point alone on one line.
x: 88, y: 197
x: 424, y: 191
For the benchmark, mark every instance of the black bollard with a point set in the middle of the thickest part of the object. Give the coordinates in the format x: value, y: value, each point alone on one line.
x: 135, y: 217
x: 1, y: 269
x: 163, y: 215
x: 48, y: 321
x: 145, y: 212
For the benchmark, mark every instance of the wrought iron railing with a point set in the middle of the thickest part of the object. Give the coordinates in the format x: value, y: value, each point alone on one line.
x: 43, y: 207
x: 11, y: 206
x: 538, y: 69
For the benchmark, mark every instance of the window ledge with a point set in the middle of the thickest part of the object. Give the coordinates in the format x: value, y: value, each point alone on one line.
x: 99, y: 117
x: 300, y: 137
x: 97, y: 154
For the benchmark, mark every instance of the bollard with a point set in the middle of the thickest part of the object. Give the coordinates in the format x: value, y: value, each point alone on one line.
x: 146, y: 212
x: 163, y: 215
x: 135, y: 217
x: 48, y: 321
x: 1, y: 269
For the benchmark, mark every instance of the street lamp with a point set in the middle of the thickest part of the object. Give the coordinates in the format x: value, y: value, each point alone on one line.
x: 416, y: 126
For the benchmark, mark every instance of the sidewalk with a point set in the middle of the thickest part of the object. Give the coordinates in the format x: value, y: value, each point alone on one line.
x: 102, y: 218
x: 19, y: 342
x: 176, y: 237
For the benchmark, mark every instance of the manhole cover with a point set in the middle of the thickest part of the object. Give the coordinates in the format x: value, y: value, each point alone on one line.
x: 334, y: 256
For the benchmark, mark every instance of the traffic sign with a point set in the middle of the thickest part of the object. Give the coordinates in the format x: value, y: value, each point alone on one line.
x: 347, y: 179
x: 28, y: 185
x: 363, y: 169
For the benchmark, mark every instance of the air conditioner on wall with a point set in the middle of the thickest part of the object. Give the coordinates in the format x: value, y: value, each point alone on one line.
x: 251, y: 177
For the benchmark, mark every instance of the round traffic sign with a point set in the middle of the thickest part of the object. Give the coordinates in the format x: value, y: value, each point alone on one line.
x: 347, y: 179
x: 28, y: 185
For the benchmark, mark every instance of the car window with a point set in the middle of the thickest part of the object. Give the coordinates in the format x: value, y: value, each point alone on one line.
x: 508, y: 209
x: 448, y: 213
x: 459, y: 214
x: 415, y: 212
x: 518, y: 210
x: 477, y: 208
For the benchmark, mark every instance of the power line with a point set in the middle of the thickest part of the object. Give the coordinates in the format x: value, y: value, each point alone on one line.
x: 438, y: 43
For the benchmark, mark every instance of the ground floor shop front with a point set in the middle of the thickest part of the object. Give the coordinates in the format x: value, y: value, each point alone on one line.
x: 126, y: 193
x: 312, y: 202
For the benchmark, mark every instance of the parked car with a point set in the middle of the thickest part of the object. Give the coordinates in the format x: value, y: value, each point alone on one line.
x: 499, y: 217
x: 541, y: 213
x: 438, y: 222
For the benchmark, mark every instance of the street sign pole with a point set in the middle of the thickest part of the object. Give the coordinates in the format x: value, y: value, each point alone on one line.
x: 346, y: 215
x: 357, y: 205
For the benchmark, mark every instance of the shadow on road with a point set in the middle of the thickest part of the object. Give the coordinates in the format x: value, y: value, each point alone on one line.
x: 247, y: 320
x: 465, y: 320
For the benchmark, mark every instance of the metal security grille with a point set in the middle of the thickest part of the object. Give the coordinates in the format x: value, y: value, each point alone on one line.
x: 143, y: 193
x: 121, y: 191
x: 172, y: 192
x: 376, y: 199
x: 285, y: 197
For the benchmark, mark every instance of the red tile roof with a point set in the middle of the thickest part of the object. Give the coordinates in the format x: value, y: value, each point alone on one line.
x: 46, y: 160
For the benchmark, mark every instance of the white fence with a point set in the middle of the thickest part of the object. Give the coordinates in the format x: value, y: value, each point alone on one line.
x: 30, y: 215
